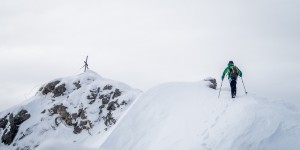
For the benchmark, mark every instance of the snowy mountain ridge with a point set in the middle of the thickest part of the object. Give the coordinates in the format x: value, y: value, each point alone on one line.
x: 189, y: 116
x: 89, y: 112
x: 76, y: 109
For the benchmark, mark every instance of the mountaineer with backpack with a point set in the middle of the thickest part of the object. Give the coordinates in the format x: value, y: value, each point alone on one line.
x: 233, y: 73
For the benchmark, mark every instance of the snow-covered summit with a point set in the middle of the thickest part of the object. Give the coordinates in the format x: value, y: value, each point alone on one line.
x: 189, y: 116
x: 75, y: 109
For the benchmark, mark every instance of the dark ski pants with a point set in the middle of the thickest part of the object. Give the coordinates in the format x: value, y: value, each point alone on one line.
x: 233, y: 87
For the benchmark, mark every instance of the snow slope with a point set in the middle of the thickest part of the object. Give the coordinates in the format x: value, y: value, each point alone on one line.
x: 87, y: 99
x: 189, y: 116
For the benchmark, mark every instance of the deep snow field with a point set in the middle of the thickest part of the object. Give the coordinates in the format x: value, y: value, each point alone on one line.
x: 189, y: 116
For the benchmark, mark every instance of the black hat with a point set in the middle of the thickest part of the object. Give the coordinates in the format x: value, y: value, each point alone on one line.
x: 230, y: 62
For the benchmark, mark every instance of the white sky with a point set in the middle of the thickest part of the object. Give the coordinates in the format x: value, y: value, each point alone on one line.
x: 146, y: 43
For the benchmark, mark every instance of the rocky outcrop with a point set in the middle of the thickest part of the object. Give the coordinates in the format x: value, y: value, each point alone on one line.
x: 11, y: 125
x: 71, y: 119
x: 49, y: 87
x: 59, y: 91
x: 72, y: 104
x: 117, y: 93
x: 93, y: 95
x: 109, y: 119
x: 3, y: 122
x: 107, y: 87
x: 56, y: 90
x: 79, y: 120
x: 113, y: 105
x: 213, y: 82
x: 105, y: 98
x: 77, y: 84
x: 109, y: 99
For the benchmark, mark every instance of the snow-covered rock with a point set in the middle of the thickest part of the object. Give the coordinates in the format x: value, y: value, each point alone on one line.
x: 77, y: 109
x: 189, y: 116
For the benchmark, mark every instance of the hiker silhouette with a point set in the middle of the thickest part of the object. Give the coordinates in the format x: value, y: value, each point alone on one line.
x: 233, y: 72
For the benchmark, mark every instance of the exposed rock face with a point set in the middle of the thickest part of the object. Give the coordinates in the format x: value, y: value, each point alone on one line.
x: 49, y: 87
x: 11, y: 125
x: 61, y: 110
x: 3, y: 122
x: 71, y: 120
x: 107, y: 87
x: 113, y: 105
x: 79, y: 120
x: 94, y: 94
x: 77, y: 84
x: 105, y: 98
x: 59, y: 91
x: 213, y: 83
x: 109, y: 120
x: 56, y: 90
x: 117, y: 93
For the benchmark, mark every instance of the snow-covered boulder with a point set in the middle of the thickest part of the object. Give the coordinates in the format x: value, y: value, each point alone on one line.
x: 212, y: 82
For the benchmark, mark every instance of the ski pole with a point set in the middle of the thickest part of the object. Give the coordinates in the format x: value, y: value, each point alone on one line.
x: 244, y: 86
x: 220, y: 89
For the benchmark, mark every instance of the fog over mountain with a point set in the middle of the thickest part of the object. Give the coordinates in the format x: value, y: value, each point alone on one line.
x: 131, y: 40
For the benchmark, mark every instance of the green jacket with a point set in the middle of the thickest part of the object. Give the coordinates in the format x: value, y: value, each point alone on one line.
x: 227, y: 71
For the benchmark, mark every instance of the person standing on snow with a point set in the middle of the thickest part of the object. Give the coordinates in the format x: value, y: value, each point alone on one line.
x: 233, y: 73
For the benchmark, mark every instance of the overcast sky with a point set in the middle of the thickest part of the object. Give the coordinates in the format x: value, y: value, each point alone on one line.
x: 148, y: 42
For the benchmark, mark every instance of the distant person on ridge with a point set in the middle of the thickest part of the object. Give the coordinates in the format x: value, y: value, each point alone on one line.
x: 233, y: 73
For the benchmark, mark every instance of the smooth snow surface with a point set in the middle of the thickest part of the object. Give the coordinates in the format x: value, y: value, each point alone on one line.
x: 189, y: 116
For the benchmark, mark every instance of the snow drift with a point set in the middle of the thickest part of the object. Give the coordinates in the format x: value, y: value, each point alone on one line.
x: 189, y: 116
x: 78, y: 109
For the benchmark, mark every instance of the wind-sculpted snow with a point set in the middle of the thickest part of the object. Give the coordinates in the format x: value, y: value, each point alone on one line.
x: 189, y: 116
x: 75, y: 110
